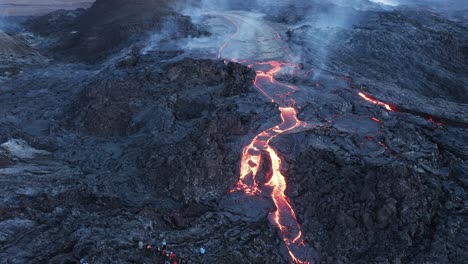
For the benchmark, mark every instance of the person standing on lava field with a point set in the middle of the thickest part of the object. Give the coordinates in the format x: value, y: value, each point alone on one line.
x: 159, y: 251
x: 202, y: 251
x: 148, y: 250
x: 163, y: 248
x: 167, y: 257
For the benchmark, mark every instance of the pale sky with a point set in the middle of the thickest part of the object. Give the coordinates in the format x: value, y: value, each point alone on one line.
x: 36, y: 7
x: 43, y: 2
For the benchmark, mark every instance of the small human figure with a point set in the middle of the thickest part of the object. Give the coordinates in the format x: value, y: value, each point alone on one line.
x: 140, y: 244
x: 164, y: 244
x: 172, y: 256
x: 148, y: 249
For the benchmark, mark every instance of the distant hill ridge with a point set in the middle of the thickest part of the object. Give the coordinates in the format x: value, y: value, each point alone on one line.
x: 39, y: 7
x: 8, y: 46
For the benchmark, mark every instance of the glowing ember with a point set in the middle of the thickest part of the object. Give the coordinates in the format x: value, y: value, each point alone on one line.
x: 382, y: 144
x: 430, y: 119
x: 375, y: 101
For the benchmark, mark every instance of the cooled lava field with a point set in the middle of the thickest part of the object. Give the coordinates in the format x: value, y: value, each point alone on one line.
x: 259, y: 131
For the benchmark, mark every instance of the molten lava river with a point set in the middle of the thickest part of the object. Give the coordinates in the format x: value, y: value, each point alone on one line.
x: 284, y: 218
x: 262, y: 49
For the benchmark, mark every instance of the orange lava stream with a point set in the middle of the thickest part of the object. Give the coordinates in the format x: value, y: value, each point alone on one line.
x: 266, y: 78
x: 376, y: 102
x: 284, y: 218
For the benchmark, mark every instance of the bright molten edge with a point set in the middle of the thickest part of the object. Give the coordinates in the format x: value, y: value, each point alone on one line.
x: 284, y: 218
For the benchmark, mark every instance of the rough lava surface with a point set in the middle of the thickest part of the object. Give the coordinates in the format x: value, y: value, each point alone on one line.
x: 108, y: 138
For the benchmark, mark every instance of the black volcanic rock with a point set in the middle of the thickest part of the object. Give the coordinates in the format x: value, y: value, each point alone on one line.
x: 104, y: 109
x: 413, y: 50
x: 16, y: 55
x: 109, y: 105
x: 193, y: 100
x: 126, y: 154
x: 5, y: 161
x: 10, y: 47
x: 146, y: 145
x: 237, y: 79
x: 54, y: 24
x: 397, y: 206
x: 95, y: 33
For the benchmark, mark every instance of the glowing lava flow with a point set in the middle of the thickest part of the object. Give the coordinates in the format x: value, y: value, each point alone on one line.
x: 251, y: 155
x: 284, y: 218
x: 376, y: 102
x: 266, y: 79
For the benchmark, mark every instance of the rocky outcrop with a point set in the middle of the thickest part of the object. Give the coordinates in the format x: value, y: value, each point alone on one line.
x: 377, y: 210
x: 93, y: 34
x: 186, y: 89
x: 187, y: 112
x: 15, y: 55
x: 416, y: 51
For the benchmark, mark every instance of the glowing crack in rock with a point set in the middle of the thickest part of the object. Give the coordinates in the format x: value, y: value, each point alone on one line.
x: 376, y: 102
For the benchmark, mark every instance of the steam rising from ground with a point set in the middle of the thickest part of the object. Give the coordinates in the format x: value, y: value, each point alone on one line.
x: 325, y: 19
x: 206, y: 13
x: 446, y: 4
x: 158, y: 40
x: 385, y: 2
